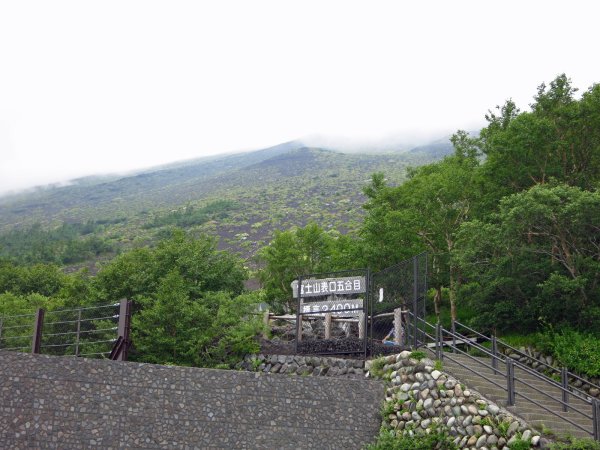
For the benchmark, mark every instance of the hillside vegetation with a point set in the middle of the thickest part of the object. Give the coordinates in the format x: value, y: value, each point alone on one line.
x: 239, y: 198
x: 510, y: 222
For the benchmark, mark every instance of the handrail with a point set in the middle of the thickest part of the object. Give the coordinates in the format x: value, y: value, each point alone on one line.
x: 573, y: 389
x: 510, y: 376
x: 554, y: 412
x: 474, y: 371
x: 539, y: 391
x: 472, y: 330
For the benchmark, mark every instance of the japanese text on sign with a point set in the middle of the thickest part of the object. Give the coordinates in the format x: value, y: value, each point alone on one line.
x: 345, y: 286
x: 335, y: 307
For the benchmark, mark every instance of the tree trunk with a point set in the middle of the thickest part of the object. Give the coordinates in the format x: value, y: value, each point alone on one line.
x: 437, y: 300
x: 453, y: 292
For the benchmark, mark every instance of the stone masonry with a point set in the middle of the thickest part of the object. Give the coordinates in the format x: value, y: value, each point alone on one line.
x: 69, y: 403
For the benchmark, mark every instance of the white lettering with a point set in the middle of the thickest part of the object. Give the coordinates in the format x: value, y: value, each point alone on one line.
x: 324, y: 287
x: 348, y: 285
x: 332, y: 286
x: 340, y: 286
x: 357, y: 285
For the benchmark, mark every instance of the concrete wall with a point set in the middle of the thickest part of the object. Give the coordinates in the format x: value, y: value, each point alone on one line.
x: 69, y: 403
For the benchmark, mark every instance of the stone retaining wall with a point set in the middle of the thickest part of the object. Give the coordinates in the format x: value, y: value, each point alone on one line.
x: 74, y: 403
x: 305, y: 365
x: 591, y: 389
x: 420, y: 398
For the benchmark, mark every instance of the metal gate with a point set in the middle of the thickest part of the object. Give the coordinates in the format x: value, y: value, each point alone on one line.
x: 398, y: 297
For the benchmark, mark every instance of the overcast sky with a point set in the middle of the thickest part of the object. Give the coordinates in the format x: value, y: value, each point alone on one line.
x: 95, y: 87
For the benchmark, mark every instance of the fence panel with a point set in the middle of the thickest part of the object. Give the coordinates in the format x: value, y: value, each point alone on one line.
x: 87, y: 331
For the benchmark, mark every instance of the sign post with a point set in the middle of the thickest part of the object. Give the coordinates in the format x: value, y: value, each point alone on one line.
x: 328, y: 300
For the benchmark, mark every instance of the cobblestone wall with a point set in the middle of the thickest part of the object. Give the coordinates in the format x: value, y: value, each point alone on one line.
x: 68, y: 403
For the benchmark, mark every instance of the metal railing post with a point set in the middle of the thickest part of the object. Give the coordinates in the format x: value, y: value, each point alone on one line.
x: 510, y: 382
x: 441, y: 334
x: 437, y: 340
x: 596, y: 418
x: 564, y: 378
x: 36, y: 342
x: 415, y: 300
x: 495, y: 354
x: 453, y: 336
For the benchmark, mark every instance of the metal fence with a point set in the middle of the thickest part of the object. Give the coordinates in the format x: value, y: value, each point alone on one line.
x: 92, y: 331
x: 395, y: 292
x: 354, y: 312
x: 331, y: 315
x: 16, y: 332
x: 514, y: 383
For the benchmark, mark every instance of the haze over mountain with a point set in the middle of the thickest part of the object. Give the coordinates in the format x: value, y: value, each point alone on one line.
x: 394, y: 143
x: 241, y: 198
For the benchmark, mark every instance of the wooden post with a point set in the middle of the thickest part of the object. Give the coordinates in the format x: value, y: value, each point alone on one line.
x: 266, y: 323
x: 78, y: 332
x: 361, y: 325
x: 398, y: 326
x: 328, y: 326
x: 36, y: 342
x: 124, y: 327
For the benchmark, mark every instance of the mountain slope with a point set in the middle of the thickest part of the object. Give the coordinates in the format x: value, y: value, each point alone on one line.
x: 241, y: 198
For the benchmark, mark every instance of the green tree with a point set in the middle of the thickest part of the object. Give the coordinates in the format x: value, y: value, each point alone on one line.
x: 424, y: 213
x: 559, y: 138
x: 539, y: 257
x: 137, y: 273
x: 214, y: 330
x: 299, y: 252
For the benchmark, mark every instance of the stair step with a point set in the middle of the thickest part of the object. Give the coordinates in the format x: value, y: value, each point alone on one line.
x: 479, y: 368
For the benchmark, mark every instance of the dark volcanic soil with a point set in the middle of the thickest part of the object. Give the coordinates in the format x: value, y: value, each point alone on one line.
x: 342, y: 348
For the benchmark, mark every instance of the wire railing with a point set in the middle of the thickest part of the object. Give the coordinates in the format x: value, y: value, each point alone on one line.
x: 16, y: 331
x: 89, y: 331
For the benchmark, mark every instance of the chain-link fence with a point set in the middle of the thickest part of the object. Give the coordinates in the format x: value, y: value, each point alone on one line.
x: 88, y: 331
x: 398, y: 294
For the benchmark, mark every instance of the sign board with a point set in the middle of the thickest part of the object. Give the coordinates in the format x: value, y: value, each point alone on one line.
x: 335, y: 307
x: 328, y: 286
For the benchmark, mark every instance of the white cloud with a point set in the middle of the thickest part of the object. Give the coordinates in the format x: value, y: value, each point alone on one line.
x: 94, y: 87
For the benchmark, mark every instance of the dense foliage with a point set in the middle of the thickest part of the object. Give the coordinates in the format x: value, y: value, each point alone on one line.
x: 67, y: 244
x: 510, y: 220
x: 189, y: 304
x: 300, y: 252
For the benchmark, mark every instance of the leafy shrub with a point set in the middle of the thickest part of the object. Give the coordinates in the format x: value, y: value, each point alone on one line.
x: 578, y: 351
x: 377, y: 367
x: 520, y: 444
x: 418, y: 355
x: 437, y: 439
x: 577, y: 444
